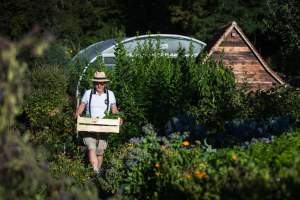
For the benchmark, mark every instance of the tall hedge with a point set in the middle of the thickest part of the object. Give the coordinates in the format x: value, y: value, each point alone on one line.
x: 152, y: 87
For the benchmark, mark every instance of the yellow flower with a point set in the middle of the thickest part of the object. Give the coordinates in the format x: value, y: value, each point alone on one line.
x: 188, y: 176
x: 233, y: 157
x: 130, y: 146
x: 157, y: 165
x: 201, y: 175
x: 185, y: 143
x: 162, y: 147
x: 157, y: 174
x: 202, y: 165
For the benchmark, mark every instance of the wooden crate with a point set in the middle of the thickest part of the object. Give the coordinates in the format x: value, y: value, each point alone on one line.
x: 87, y: 124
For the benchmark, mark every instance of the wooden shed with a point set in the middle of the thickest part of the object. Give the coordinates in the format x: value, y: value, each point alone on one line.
x: 237, y: 52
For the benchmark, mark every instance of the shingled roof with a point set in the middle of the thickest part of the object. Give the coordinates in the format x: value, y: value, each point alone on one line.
x: 232, y: 46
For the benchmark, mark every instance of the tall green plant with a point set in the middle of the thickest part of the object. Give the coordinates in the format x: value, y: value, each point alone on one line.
x: 212, y: 88
x: 151, y: 78
x: 25, y: 176
x: 153, y: 87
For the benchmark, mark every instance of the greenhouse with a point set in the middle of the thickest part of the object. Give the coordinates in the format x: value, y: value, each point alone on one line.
x: 168, y: 42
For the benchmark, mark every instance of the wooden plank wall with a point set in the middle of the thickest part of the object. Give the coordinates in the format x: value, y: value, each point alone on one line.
x: 245, y: 65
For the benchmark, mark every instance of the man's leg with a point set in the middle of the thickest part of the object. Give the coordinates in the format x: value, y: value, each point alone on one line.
x: 100, y: 152
x: 91, y: 144
x: 100, y: 160
x: 93, y: 159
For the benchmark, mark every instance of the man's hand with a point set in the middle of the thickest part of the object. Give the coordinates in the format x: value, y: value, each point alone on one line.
x: 120, y: 121
x: 79, y: 110
x: 76, y: 115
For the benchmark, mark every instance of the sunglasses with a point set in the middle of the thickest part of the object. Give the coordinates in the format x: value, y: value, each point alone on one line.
x: 100, y: 83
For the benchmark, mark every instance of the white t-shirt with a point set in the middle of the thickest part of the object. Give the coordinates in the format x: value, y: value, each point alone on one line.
x: 98, y: 105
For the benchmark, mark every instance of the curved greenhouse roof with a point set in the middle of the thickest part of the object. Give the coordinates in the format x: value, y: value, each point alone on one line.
x: 168, y: 42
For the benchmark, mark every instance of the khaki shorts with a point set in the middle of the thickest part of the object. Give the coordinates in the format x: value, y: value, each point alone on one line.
x: 95, y: 141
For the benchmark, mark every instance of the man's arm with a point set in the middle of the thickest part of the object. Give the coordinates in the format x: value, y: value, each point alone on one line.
x: 114, y: 109
x: 80, y: 109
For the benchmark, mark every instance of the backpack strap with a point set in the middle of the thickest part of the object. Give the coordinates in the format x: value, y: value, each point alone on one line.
x: 107, y: 100
x: 93, y: 91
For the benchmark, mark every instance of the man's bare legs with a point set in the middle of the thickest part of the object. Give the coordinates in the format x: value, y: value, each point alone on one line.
x: 96, y: 161
x: 93, y: 159
x: 100, y: 160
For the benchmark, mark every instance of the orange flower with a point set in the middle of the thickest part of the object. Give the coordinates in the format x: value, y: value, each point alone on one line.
x: 233, y: 157
x: 157, y: 174
x: 157, y: 165
x: 185, y: 143
x: 201, y: 174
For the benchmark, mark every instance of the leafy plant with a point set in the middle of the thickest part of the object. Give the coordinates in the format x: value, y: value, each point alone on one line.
x: 26, y: 176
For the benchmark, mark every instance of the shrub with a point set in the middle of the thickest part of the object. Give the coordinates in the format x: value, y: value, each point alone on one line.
x: 56, y: 54
x: 160, y: 168
x: 48, y: 97
x: 27, y: 176
x: 280, y: 101
x: 212, y: 88
x: 152, y: 87
x: 24, y: 175
x: 62, y: 166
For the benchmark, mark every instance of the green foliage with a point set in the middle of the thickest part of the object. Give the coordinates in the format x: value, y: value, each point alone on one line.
x: 75, y: 23
x: 26, y: 175
x: 213, y: 90
x: 161, y: 168
x: 280, y: 101
x: 113, y: 115
x: 283, y: 27
x: 151, y: 86
x: 201, y: 18
x: 63, y: 166
x: 80, y: 71
x: 48, y: 97
x: 57, y: 54
x: 272, y: 25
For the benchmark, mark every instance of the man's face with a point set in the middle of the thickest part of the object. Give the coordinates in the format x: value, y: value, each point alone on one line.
x: 100, y: 86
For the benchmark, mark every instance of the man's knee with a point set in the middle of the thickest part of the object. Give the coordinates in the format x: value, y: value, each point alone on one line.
x: 101, y: 147
x: 90, y: 143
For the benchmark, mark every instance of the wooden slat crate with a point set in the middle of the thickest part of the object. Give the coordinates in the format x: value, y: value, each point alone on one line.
x: 87, y: 124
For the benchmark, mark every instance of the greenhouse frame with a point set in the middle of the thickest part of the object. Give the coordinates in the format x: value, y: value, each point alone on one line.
x: 169, y: 43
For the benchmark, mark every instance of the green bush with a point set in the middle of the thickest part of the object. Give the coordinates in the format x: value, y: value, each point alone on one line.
x: 48, y: 96
x: 49, y: 110
x: 213, y: 91
x: 161, y: 168
x: 152, y: 87
x: 25, y: 175
x: 55, y: 54
x: 62, y: 166
x: 280, y: 101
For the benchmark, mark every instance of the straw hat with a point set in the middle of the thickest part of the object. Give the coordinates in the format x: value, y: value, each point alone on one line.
x: 100, y: 77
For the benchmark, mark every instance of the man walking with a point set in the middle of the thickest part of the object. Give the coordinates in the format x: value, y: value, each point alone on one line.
x: 97, y: 101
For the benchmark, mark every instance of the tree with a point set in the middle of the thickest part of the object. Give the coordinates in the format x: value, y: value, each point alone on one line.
x: 283, y: 26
